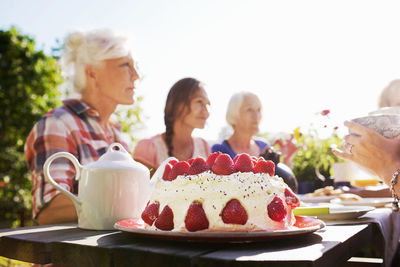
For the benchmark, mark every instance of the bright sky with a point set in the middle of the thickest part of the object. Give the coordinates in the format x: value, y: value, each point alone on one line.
x: 300, y: 57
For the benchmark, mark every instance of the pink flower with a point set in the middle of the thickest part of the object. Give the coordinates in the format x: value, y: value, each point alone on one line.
x: 325, y: 112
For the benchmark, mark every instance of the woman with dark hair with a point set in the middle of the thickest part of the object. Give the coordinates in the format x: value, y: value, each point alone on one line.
x: 186, y: 109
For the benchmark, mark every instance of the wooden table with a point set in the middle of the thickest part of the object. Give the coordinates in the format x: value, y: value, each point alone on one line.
x: 66, y: 244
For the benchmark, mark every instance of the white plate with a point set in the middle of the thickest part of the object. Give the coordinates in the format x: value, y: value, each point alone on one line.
x: 319, y: 199
x: 345, y: 213
x: 304, y: 225
x: 376, y: 202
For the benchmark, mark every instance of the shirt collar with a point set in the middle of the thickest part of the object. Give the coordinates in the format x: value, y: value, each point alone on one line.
x: 79, y: 107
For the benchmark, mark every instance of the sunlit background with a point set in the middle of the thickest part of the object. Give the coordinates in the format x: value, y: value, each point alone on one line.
x: 300, y: 57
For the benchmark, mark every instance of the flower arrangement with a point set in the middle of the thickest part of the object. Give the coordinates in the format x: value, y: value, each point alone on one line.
x: 313, y: 159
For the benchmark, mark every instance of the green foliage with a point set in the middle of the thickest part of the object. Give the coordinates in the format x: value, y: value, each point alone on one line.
x: 314, y: 154
x: 131, y: 120
x: 28, y: 89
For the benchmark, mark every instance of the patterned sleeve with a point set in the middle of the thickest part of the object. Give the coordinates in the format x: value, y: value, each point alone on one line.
x: 146, y: 153
x: 47, y: 137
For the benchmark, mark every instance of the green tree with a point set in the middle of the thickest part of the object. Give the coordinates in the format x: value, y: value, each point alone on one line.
x: 28, y: 89
x: 131, y: 119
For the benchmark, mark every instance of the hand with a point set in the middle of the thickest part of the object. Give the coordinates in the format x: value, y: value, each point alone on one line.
x: 369, y: 149
x: 288, y: 149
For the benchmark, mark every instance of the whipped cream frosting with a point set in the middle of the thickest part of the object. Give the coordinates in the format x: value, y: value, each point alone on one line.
x: 253, y: 190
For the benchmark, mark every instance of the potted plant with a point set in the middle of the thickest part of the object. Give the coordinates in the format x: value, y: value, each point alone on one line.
x: 313, y: 159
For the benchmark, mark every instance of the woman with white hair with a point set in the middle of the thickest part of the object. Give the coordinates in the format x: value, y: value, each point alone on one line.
x: 244, y: 115
x: 103, y: 72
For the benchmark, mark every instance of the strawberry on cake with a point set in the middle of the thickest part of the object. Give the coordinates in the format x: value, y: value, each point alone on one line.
x: 220, y: 195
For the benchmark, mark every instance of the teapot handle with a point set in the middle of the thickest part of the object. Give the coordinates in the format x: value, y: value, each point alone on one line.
x: 46, y: 171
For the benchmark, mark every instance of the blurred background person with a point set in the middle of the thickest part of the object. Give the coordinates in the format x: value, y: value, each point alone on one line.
x: 390, y: 95
x: 244, y: 114
x: 379, y: 155
x: 372, y: 151
x: 186, y: 109
x: 102, y: 71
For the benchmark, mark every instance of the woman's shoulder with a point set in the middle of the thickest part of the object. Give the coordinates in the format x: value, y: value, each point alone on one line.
x: 60, y: 113
x: 220, y: 147
x: 151, y: 141
x: 58, y: 119
x: 63, y: 115
x: 223, y: 147
x: 216, y: 146
x: 261, y: 142
x: 147, y: 150
x: 199, y: 140
x: 201, y: 147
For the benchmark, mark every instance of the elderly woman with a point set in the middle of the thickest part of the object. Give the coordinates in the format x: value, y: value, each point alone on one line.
x: 244, y: 115
x: 104, y: 76
x: 186, y: 109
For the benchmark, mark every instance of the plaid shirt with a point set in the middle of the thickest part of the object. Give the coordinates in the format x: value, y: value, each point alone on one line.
x: 73, y: 128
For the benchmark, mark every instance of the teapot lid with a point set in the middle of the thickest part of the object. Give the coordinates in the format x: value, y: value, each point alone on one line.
x: 116, y: 158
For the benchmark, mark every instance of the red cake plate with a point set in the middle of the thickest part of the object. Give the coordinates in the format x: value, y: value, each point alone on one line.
x: 303, y: 226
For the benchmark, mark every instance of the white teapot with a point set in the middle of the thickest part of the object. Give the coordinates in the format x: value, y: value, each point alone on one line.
x: 113, y: 188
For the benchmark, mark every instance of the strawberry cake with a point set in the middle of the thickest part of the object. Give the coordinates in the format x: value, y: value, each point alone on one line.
x: 219, y: 194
